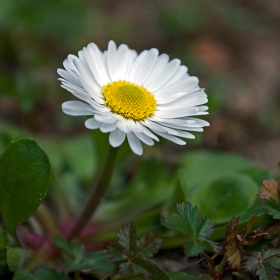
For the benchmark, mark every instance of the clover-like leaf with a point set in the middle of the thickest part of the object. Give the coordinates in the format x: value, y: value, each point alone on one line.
x: 25, y: 174
x: 270, y: 189
x: 77, y: 259
x: 196, y: 228
x: 264, y: 263
x: 132, y: 254
x: 21, y: 274
x: 272, y: 207
x: 16, y: 258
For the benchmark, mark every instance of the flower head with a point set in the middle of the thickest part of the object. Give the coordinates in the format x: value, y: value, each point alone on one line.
x: 132, y: 95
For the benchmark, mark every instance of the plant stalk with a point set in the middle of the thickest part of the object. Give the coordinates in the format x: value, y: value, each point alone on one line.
x: 96, y: 194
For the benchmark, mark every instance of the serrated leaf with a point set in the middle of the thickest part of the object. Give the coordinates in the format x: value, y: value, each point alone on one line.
x: 131, y: 254
x: 130, y: 277
x: 272, y: 207
x: 264, y: 263
x: 196, y: 228
x: 77, y: 259
x: 270, y: 189
x: 234, y: 254
x: 44, y: 273
x: 183, y: 276
x: 25, y: 174
x: 16, y: 258
x: 231, y: 229
x: 21, y: 274
x: 243, y: 275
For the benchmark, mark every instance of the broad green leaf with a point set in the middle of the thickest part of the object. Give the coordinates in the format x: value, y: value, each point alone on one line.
x: 183, y: 276
x: 264, y: 263
x: 21, y: 274
x: 44, y: 273
x: 77, y: 259
x: 272, y: 207
x: 225, y: 197
x: 25, y: 176
x: 197, y: 229
x: 200, y: 168
x: 132, y: 255
x: 16, y: 258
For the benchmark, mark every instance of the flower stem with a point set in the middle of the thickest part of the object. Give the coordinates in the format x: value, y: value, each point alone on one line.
x: 96, y: 195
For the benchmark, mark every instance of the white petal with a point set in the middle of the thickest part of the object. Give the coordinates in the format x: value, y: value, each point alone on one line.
x: 112, y: 60
x: 134, y: 144
x: 67, y: 76
x: 96, y: 64
x: 184, y: 85
x: 107, y: 127
x: 142, y: 66
x: 165, y: 74
x: 77, y: 108
x: 116, y: 138
x: 106, y: 118
x: 92, y: 124
x: 122, y: 125
x: 199, y: 121
x: 178, y: 113
x: 154, y: 81
x: 144, y: 138
x: 172, y: 138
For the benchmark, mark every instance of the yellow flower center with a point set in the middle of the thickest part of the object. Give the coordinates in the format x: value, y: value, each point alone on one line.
x: 129, y: 100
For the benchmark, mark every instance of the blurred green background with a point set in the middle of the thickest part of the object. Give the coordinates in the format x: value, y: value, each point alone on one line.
x: 231, y: 46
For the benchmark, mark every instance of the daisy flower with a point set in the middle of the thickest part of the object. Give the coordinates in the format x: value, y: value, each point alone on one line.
x: 138, y: 96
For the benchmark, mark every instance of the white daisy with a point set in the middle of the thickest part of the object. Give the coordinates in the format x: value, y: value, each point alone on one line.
x: 133, y: 95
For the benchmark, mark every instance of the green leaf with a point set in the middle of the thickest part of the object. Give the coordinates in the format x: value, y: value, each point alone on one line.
x: 25, y: 176
x: 196, y: 228
x: 216, y: 181
x: 21, y: 274
x: 16, y: 258
x: 272, y: 207
x: 200, y: 168
x: 44, y: 273
x: 132, y: 255
x: 264, y: 263
x: 77, y: 259
x: 183, y: 276
x: 215, y: 200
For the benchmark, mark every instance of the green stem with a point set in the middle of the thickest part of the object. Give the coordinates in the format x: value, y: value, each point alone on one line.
x: 39, y: 257
x: 47, y: 220
x: 96, y: 195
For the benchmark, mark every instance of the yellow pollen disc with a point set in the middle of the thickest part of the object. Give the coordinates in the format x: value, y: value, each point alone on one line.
x: 129, y: 100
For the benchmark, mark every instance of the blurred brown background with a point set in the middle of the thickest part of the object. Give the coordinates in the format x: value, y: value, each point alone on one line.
x: 232, y: 46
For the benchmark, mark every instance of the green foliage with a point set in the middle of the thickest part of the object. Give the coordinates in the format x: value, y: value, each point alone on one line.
x: 44, y: 273
x: 215, y: 181
x: 77, y: 259
x: 196, y: 228
x: 183, y: 276
x: 132, y: 255
x: 21, y: 274
x: 16, y: 258
x: 264, y: 263
x: 25, y: 176
x: 272, y: 207
x: 4, y: 269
